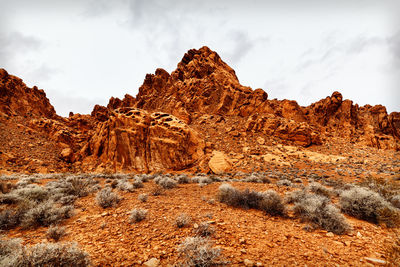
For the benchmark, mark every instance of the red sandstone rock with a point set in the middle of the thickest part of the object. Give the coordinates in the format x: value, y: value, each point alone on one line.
x: 135, y: 140
x: 138, y: 133
x: 18, y: 99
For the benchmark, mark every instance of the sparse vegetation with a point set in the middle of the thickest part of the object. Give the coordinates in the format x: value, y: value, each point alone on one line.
x: 55, y: 232
x: 198, y: 251
x: 182, y: 220
x: 368, y: 205
x: 143, y: 197
x: 318, y: 211
x: 124, y: 185
x: 12, y: 253
x: 284, y: 182
x: 269, y: 201
x: 45, y: 214
x: 166, y: 182
x: 137, y: 215
x: 204, y: 229
x: 272, y: 203
x: 107, y: 198
x: 183, y: 179
x: 319, y: 189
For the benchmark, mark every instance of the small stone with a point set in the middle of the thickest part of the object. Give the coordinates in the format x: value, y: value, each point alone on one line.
x: 260, y: 140
x: 195, y: 226
x: 347, y: 243
x: 359, y: 235
x: 248, y: 262
x: 375, y: 261
x: 153, y: 262
x: 330, y: 234
x: 242, y: 240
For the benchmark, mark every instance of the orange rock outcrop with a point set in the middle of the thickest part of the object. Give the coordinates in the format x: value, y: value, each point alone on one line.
x: 154, y: 130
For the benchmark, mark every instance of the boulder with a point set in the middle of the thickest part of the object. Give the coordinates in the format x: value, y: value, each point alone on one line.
x: 219, y: 162
x: 135, y: 140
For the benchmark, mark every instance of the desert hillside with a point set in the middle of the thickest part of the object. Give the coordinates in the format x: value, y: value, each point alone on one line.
x: 197, y: 170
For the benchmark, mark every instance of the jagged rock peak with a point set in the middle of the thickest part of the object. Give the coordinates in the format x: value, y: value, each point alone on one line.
x: 199, y: 63
x: 18, y: 99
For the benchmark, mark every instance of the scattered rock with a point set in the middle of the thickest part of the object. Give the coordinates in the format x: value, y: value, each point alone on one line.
x: 248, y: 262
x: 375, y: 261
x: 219, y: 162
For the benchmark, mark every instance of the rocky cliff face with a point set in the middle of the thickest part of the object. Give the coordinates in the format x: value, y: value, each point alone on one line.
x: 155, y: 130
x: 136, y: 140
x: 18, y: 99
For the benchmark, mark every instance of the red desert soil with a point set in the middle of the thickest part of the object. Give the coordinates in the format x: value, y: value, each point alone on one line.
x: 111, y: 240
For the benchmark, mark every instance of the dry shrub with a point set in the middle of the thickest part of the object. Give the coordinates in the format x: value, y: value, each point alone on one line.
x: 368, y: 205
x: 137, y: 215
x: 143, y: 197
x: 204, y: 229
x: 269, y: 201
x: 318, y: 211
x: 12, y: 253
x: 55, y: 232
x: 106, y: 198
x: 198, y: 251
x: 182, y: 220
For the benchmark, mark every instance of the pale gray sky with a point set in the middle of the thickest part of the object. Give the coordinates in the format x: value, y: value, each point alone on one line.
x: 83, y: 52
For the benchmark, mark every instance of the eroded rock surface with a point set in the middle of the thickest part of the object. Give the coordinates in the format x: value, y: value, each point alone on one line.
x: 136, y: 140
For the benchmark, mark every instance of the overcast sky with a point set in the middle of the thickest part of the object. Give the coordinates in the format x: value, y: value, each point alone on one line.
x: 83, y: 52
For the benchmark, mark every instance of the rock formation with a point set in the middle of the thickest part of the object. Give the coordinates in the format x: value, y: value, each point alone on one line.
x: 135, y: 140
x: 165, y: 127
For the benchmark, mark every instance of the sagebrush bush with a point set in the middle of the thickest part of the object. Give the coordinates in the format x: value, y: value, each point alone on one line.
x: 9, y: 219
x: 198, y: 251
x: 166, y: 183
x: 204, y: 229
x: 182, y: 220
x: 67, y: 254
x: 395, y: 200
x: 319, y: 189
x: 55, y: 232
x: 183, y: 179
x: 272, y: 203
x: 384, y: 187
x: 32, y: 192
x: 244, y: 199
x: 137, y: 215
x: 137, y: 183
x: 124, y: 185
x: 318, y: 211
x: 284, y: 182
x: 269, y: 201
x: 45, y: 214
x: 107, y: 198
x: 368, y: 205
x: 12, y: 253
x: 143, y: 197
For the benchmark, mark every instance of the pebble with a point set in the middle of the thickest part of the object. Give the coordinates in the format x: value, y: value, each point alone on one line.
x: 153, y: 262
x: 375, y: 261
x: 330, y: 234
x: 248, y: 262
